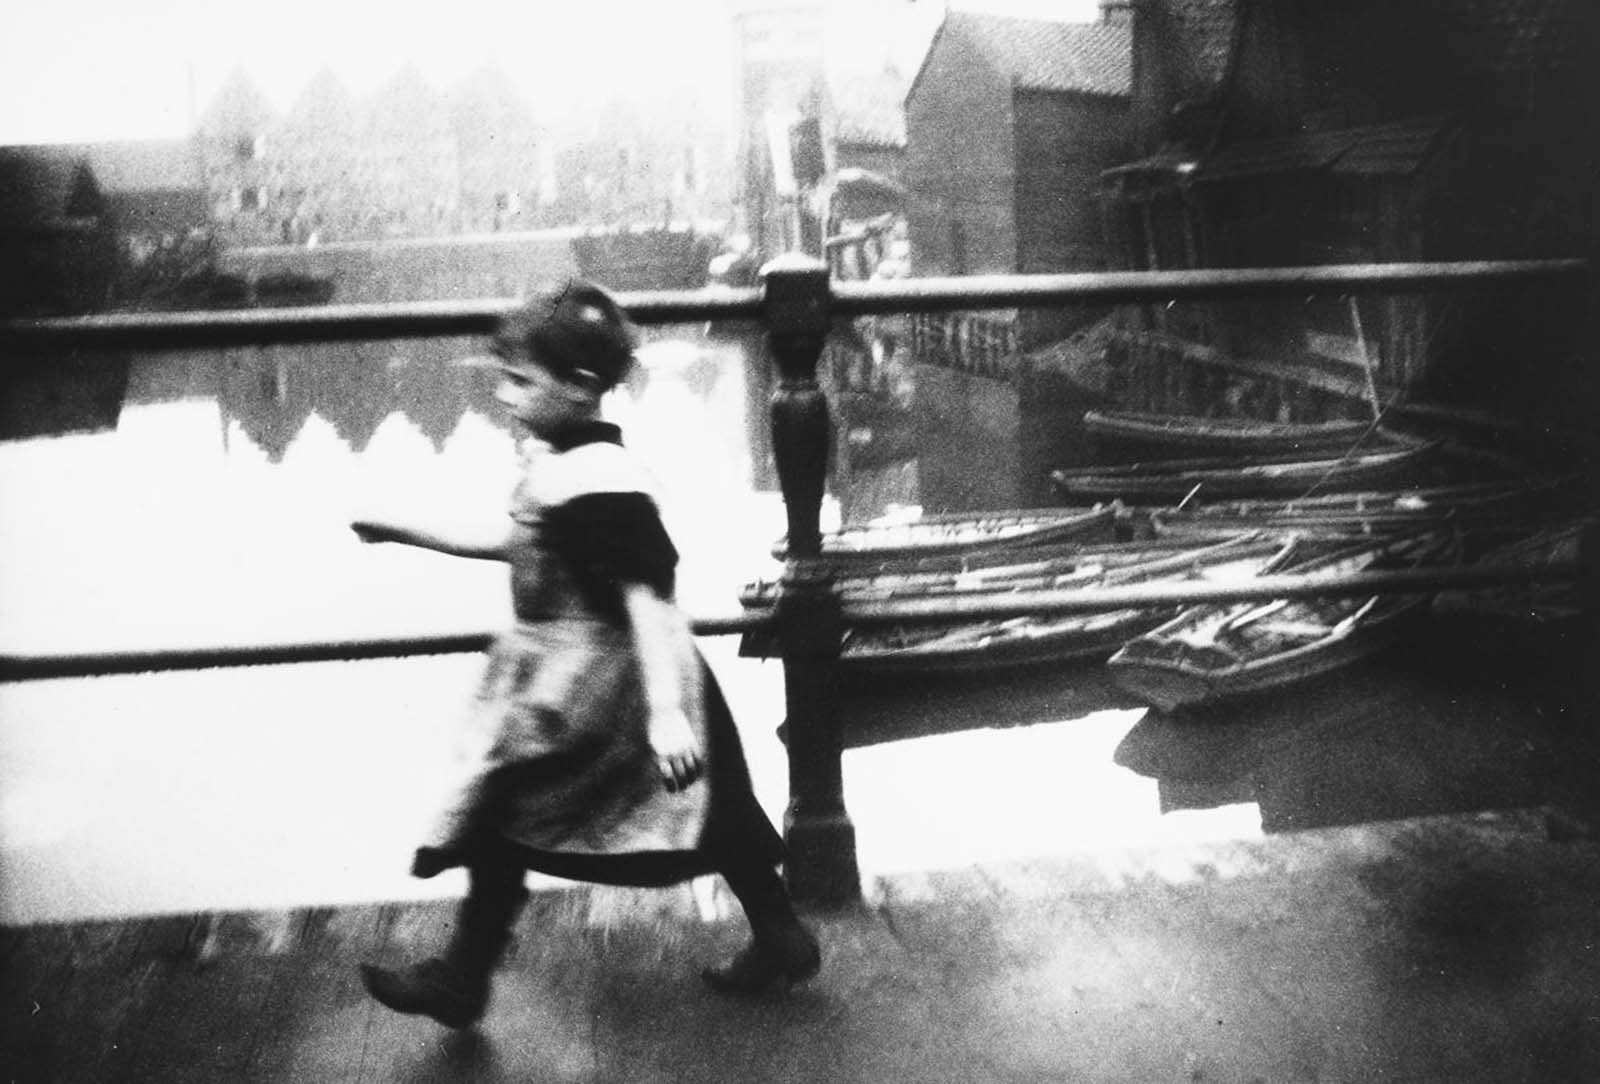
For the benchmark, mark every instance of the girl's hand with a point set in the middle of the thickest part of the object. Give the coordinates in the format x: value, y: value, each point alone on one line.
x: 372, y: 531
x: 676, y: 747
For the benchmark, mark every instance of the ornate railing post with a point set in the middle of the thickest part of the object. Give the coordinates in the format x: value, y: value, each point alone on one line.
x: 822, y: 841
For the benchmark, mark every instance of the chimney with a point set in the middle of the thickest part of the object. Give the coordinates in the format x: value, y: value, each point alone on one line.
x: 1116, y: 12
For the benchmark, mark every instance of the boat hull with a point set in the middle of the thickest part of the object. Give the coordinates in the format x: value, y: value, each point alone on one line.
x: 996, y: 645
x: 1466, y: 507
x: 1174, y: 480
x: 1191, y: 435
x: 1526, y: 623
x: 1217, y: 653
x: 985, y: 644
x: 1039, y: 567
x: 971, y: 534
x: 1171, y: 686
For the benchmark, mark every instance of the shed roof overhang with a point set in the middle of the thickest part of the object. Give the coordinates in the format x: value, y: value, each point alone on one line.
x: 1151, y: 176
x: 1396, y: 149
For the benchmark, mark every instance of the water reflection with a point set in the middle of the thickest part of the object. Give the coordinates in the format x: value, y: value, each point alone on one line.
x: 216, y: 512
x: 270, y: 393
x: 1398, y: 736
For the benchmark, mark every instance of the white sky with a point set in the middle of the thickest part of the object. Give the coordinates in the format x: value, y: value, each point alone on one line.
x: 135, y: 69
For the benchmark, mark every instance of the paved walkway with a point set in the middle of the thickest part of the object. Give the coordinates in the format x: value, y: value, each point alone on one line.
x: 1458, y: 948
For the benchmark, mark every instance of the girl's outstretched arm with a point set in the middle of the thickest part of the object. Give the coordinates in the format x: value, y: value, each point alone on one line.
x: 457, y: 541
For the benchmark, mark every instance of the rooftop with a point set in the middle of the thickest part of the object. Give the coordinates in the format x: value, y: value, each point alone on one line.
x: 1038, y: 54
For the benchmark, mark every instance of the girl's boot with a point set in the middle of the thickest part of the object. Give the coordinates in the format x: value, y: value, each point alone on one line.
x: 454, y: 988
x: 782, y: 952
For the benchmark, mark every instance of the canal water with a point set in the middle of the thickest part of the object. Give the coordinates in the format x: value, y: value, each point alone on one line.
x: 213, y: 509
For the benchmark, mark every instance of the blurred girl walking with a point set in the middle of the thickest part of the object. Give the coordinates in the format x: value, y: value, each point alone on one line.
x: 598, y: 746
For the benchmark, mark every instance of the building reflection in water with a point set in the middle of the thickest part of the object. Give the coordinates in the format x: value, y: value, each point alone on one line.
x: 268, y: 394
x: 217, y: 510
x: 213, y: 509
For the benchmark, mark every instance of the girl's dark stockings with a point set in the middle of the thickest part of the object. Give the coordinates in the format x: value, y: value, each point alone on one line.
x: 782, y: 952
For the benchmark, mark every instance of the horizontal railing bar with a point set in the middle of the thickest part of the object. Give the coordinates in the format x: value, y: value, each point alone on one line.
x: 30, y: 667
x: 732, y: 624
x: 26, y: 667
x: 344, y: 323
x: 446, y: 319
x: 22, y: 667
x: 1192, y: 593
x: 1127, y: 287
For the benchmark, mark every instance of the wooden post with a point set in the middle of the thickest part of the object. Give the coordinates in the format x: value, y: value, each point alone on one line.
x: 821, y: 838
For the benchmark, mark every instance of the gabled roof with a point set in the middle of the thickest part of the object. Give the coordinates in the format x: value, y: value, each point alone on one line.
x: 489, y: 87
x: 325, y: 103
x: 44, y: 185
x: 239, y: 106
x: 489, y: 103
x: 408, y: 102
x: 145, y: 185
x: 869, y: 108
x: 1038, y: 54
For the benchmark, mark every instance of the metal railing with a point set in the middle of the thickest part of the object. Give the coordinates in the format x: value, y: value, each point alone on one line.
x: 442, y: 319
x: 797, y: 303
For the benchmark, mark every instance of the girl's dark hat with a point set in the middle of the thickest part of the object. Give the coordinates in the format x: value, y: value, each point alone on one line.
x: 575, y: 330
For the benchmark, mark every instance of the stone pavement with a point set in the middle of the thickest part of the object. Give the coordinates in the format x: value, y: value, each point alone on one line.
x: 1453, y: 948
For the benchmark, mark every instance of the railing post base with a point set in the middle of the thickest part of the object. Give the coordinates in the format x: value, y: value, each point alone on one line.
x: 821, y: 866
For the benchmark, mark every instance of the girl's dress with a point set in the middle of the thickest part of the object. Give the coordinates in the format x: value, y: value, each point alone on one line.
x: 555, y: 759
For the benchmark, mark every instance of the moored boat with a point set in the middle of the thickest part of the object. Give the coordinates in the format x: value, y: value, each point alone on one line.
x: 1047, y: 566
x: 1189, y: 434
x: 1464, y: 506
x: 1206, y: 478
x: 965, y: 533
x: 988, y: 643
x: 1216, y: 652
x: 1518, y: 622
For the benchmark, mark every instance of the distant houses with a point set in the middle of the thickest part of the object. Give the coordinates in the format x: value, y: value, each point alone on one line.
x: 412, y: 161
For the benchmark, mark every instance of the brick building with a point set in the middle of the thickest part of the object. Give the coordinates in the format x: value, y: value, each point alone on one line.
x: 1009, y: 123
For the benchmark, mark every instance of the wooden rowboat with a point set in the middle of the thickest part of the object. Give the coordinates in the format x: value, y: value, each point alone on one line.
x: 1044, y: 567
x: 964, y: 645
x: 1468, y: 506
x: 1175, y: 479
x: 1188, y: 434
x: 1520, y: 622
x: 1217, y: 652
x: 964, y: 533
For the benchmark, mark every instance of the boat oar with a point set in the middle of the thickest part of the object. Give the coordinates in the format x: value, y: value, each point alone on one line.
x: 1348, y: 622
x: 1255, y: 613
x: 1366, y: 360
